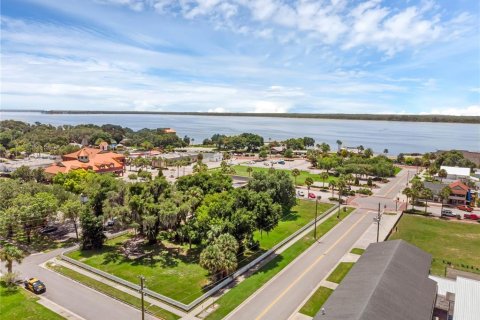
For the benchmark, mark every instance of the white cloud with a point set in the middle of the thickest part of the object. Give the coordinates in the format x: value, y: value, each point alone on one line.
x: 473, y: 110
x: 218, y: 109
x: 270, y: 107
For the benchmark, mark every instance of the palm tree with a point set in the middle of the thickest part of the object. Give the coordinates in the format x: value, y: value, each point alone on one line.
x: 445, y: 194
x: 295, y: 174
x: 249, y: 170
x: 339, y: 143
x: 385, y: 151
x: 308, y: 182
x: 9, y: 254
x: 332, y: 184
x: 407, y: 192
x: 324, y: 176
x: 442, y: 174
x: 426, y: 194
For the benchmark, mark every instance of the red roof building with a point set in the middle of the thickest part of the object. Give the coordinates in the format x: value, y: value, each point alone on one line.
x: 93, y: 159
x: 459, y: 193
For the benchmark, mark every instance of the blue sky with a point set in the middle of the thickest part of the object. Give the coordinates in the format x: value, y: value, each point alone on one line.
x: 242, y: 55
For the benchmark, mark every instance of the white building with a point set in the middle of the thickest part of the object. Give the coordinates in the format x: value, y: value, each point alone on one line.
x: 456, y: 173
x: 460, y: 296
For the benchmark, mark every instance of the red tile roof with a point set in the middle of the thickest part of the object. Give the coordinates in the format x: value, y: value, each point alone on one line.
x: 98, y: 161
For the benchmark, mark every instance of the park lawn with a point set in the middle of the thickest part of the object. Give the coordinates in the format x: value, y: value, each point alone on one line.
x: 21, y: 304
x: 242, y: 171
x: 396, y: 170
x: 244, y: 289
x: 113, y: 292
x: 173, y: 270
x: 316, y: 301
x: 299, y: 216
x: 447, y: 241
x: 357, y: 251
x: 340, y: 272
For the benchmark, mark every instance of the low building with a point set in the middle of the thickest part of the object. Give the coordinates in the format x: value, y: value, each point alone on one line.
x: 389, y: 281
x: 460, y: 193
x: 97, y: 160
x: 436, y: 189
x: 457, y: 298
x: 456, y: 173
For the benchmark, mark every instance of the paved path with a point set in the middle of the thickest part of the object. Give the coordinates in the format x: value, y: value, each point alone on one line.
x: 281, y: 296
x: 78, y: 299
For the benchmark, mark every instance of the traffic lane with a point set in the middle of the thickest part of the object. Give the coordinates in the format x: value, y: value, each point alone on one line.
x: 79, y: 299
x: 288, y: 302
x: 321, y: 267
x: 396, y: 184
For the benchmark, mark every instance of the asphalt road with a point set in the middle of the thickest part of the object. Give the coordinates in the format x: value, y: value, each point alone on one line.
x: 79, y: 299
x: 281, y: 296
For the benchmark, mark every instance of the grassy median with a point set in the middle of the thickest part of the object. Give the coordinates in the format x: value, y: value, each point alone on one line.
x: 244, y: 289
x: 357, y: 251
x: 316, y: 301
x: 113, y: 292
x: 340, y: 272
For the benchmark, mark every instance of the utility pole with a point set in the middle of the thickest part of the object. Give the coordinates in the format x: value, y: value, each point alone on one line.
x: 142, y: 280
x: 316, y: 211
x: 377, y: 220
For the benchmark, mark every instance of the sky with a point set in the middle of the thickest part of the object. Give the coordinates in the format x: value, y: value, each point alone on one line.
x: 337, y: 56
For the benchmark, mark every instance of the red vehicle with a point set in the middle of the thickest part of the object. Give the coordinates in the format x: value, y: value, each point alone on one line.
x: 471, y: 216
x: 311, y: 195
x: 465, y: 208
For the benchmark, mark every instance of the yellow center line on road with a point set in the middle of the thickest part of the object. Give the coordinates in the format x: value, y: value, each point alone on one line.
x: 308, y: 269
x: 394, y: 185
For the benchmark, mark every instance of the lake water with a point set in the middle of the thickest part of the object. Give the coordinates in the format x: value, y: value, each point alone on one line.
x: 396, y: 136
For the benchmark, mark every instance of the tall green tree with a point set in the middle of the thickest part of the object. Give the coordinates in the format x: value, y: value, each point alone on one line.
x: 92, y: 231
x: 308, y: 183
x: 71, y: 210
x: 324, y: 176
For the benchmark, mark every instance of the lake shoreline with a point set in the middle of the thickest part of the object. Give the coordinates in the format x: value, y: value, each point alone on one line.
x: 331, y: 116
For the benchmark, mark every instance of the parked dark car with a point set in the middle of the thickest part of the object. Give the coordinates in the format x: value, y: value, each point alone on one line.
x: 48, y: 229
x: 465, y: 208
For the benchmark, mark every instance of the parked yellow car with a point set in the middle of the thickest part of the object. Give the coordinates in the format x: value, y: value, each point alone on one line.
x: 35, y: 285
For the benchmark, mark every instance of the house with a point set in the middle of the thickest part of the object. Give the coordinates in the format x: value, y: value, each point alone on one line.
x: 389, y: 281
x: 436, y: 189
x: 277, y: 150
x: 98, y: 160
x: 456, y: 173
x: 459, y: 193
x: 457, y: 298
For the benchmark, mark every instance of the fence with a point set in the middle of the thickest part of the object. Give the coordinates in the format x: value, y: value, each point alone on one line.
x: 191, y: 305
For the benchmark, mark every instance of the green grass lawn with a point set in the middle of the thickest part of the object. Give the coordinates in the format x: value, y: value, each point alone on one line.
x: 396, y: 170
x: 456, y: 242
x: 316, y: 301
x: 299, y: 216
x: 357, y: 251
x: 244, y: 289
x: 21, y: 304
x: 242, y: 171
x: 173, y: 270
x: 340, y: 272
x: 110, y: 291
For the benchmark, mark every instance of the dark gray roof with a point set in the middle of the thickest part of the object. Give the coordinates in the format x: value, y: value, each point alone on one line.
x: 389, y: 281
x: 436, y: 188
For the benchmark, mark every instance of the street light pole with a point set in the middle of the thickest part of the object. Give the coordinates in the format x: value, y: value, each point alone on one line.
x: 142, y: 279
x: 316, y: 212
x: 378, y: 221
